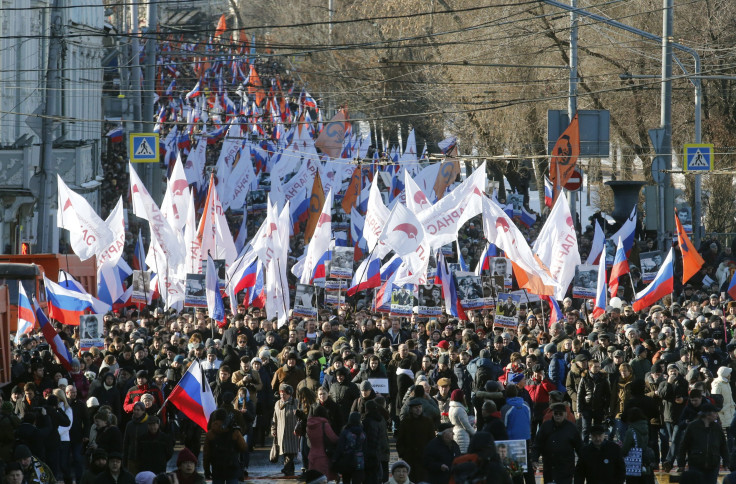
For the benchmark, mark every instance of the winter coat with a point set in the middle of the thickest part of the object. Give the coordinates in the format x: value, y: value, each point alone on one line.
x: 291, y: 376
x: 319, y: 429
x: 344, y: 394
x: 462, y: 430
x: 600, y: 466
x: 721, y: 386
x: 8, y: 423
x: 436, y: 454
x: 216, y: 430
x: 284, y: 422
x: 557, y: 444
x: 444, y: 405
x: 254, y: 384
x: 640, y: 367
x: 133, y: 430
x: 106, y: 477
x: 623, y: 392
x: 109, y: 396
x: 378, y: 447
x: 517, y: 418
x: 557, y: 371
x: 641, y: 429
x: 572, y: 383
x: 368, y: 374
x: 413, y: 436
x: 594, y: 394
x: 359, y: 403
x: 404, y: 380
x: 334, y: 414
x: 429, y: 408
x: 704, y: 446
x: 670, y: 393
x: 136, y: 392
x: 154, y: 451
x: 486, y: 370
x: 494, y: 426
x: 110, y: 438
x: 539, y: 393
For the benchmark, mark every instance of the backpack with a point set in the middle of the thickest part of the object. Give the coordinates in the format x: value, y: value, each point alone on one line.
x: 224, y: 458
x: 468, y: 469
x: 349, y: 455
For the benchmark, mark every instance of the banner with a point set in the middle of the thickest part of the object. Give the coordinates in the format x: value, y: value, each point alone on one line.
x: 91, y: 332
x: 585, y: 281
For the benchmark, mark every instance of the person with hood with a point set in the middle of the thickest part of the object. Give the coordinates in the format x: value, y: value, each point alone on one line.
x: 97, y: 465
x: 77, y: 378
x: 289, y: 373
x: 557, y: 442
x: 223, y: 445
x: 491, y: 467
x: 412, y: 437
x: 344, y: 392
x: 366, y: 394
x: 429, y: 405
x: 578, y: 369
x: 516, y: 415
x: 557, y: 367
x: 350, y: 452
x: 285, y: 417
x: 136, y: 428
x: 313, y: 370
x: 186, y: 468
x: 600, y: 461
x: 320, y: 436
x: 107, y: 393
x: 637, y: 435
x: 440, y: 452
x: 249, y: 378
x: 374, y: 369
x: 721, y: 386
x: 377, y: 443
x: 462, y: 429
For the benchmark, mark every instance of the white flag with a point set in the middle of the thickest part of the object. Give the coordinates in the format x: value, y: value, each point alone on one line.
x: 557, y: 246
x: 88, y: 234
x: 376, y: 216
x: 176, y: 200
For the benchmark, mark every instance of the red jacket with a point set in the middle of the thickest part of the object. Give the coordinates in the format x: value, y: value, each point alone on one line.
x: 539, y: 391
x: 135, y: 394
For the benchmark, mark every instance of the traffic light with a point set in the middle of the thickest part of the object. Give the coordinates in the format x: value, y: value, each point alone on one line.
x: 25, y: 248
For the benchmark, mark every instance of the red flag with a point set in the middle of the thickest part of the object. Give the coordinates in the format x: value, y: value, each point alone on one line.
x: 316, y: 202
x: 564, y: 155
x: 255, y: 86
x: 221, y: 26
x: 691, y: 260
x: 446, y: 176
x: 331, y: 138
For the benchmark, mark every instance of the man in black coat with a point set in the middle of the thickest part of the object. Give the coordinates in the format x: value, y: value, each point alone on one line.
x: 115, y: 474
x: 439, y: 454
x: 155, y: 448
x: 344, y: 392
x: 79, y: 430
x: 557, y: 441
x: 600, y: 461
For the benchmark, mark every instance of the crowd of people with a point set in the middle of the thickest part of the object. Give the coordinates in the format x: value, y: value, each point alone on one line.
x: 629, y: 394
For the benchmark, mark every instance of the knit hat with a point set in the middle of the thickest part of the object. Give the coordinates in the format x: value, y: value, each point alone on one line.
x: 354, y: 419
x: 145, y: 477
x: 398, y: 464
x: 457, y: 395
x: 366, y: 386
x: 516, y: 378
x: 186, y: 455
x: 22, y: 452
x: 443, y: 345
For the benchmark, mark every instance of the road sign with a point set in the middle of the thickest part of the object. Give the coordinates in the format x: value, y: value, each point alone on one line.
x: 575, y: 181
x: 698, y: 157
x: 658, y: 165
x: 143, y: 148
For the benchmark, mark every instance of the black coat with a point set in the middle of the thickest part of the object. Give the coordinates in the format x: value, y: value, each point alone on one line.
x: 704, y: 446
x: 436, y: 454
x: 600, y: 466
x: 80, y: 422
x: 125, y: 477
x: 557, y: 444
x: 344, y: 394
x: 494, y: 426
x: 154, y: 451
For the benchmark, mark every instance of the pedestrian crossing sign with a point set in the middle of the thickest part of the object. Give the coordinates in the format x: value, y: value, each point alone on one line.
x: 698, y: 157
x: 143, y: 147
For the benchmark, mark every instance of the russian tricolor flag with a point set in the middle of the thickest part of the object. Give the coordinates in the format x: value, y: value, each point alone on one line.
x: 732, y: 287
x: 389, y: 268
x: 193, y: 396
x: 548, y: 192
x: 367, y: 276
x: 484, y: 264
x: 449, y: 291
x: 116, y: 135
x: 67, y: 306
x: 662, y: 285
x: 67, y: 281
x: 139, y: 254
x: 320, y: 270
x: 52, y: 337
x: 527, y: 218
x: 620, y: 267
x: 246, y: 277
x: 215, y: 307
x: 26, y: 318
x: 382, y: 302
x: 195, y: 92
x: 257, y: 294
x: 599, y: 307
x: 555, y: 313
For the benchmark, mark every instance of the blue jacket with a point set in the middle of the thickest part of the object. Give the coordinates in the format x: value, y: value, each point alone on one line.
x: 558, y: 371
x: 517, y: 417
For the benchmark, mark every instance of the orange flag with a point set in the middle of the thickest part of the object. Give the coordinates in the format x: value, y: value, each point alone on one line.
x: 316, y: 202
x: 331, y: 138
x: 221, y: 26
x: 255, y: 86
x: 564, y: 155
x: 447, y: 174
x: 691, y: 259
x: 353, y: 191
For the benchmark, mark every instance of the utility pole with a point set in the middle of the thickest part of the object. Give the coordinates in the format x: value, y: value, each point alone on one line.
x: 48, y: 124
x: 666, y: 117
x: 153, y: 172
x: 135, y: 47
x: 572, y: 98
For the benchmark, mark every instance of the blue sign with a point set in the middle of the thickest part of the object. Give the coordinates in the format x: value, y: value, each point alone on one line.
x: 143, y: 148
x: 698, y: 157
